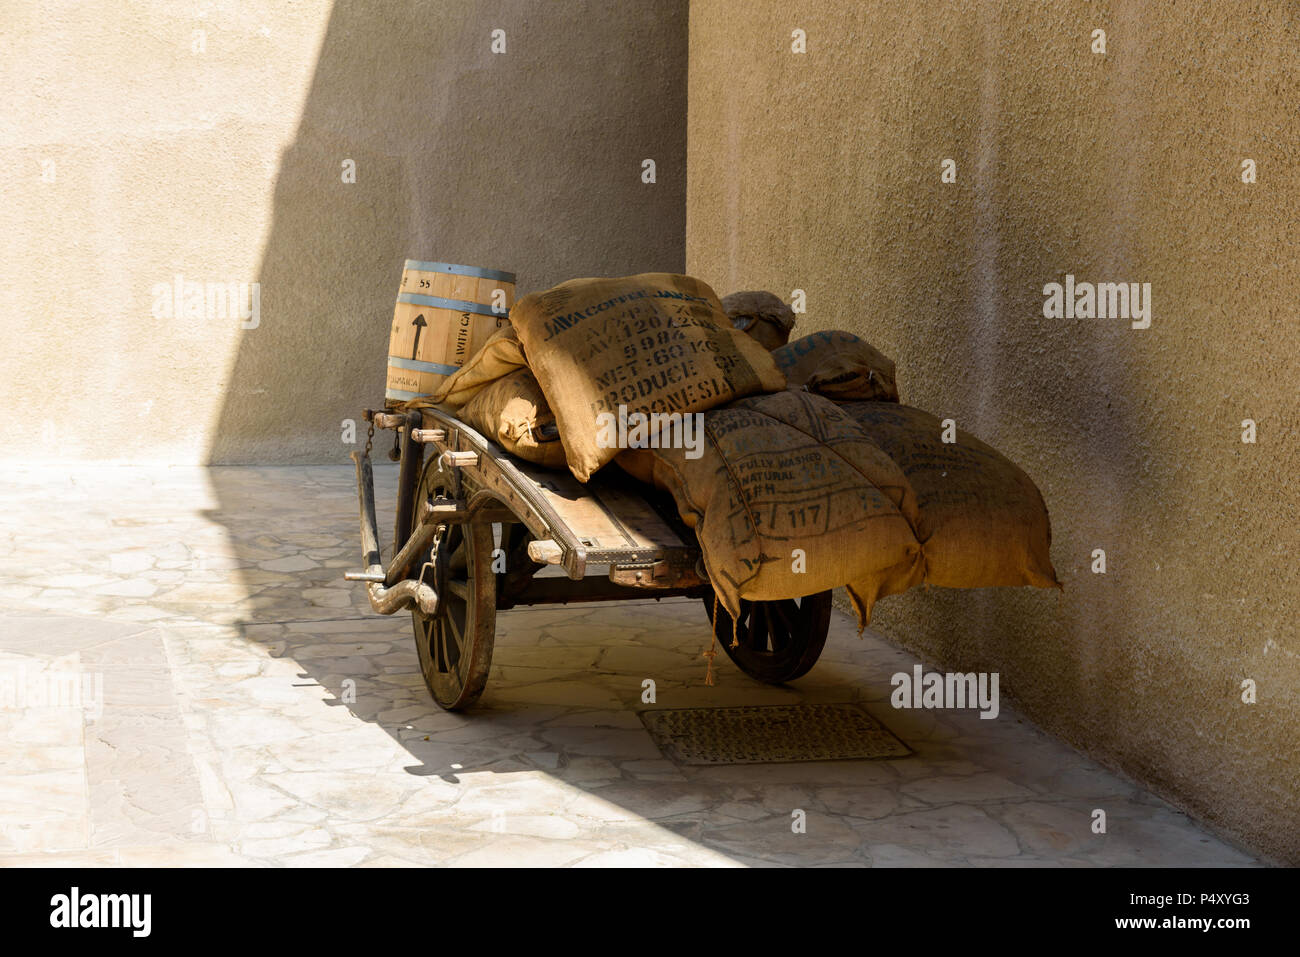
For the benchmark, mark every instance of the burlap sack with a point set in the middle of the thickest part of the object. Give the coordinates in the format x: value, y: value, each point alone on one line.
x: 838, y: 365
x: 652, y: 343
x: 640, y: 464
x: 501, y: 355
x: 760, y: 315
x: 512, y: 412
x: 982, y: 522
x: 790, y: 499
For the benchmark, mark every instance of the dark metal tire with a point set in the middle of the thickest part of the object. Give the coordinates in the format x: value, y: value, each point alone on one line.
x: 778, y: 640
x: 455, y: 646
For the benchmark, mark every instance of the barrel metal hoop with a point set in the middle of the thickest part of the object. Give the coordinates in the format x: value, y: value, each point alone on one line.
x: 476, y: 271
x: 403, y: 396
x: 419, y: 365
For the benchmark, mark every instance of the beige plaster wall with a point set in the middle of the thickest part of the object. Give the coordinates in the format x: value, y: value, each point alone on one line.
x: 821, y: 171
x: 136, y: 149
x: 131, y: 156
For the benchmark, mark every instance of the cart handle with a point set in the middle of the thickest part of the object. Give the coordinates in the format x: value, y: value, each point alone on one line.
x: 403, y: 594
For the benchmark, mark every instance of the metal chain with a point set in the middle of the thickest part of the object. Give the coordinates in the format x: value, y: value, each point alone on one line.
x: 370, y: 438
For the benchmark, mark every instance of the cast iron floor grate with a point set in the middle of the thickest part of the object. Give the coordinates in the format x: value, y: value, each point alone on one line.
x: 771, y: 734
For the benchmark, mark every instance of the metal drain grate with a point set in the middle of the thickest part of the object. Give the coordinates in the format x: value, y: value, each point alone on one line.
x: 771, y: 734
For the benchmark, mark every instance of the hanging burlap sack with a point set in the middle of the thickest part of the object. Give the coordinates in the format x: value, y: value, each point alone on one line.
x: 760, y: 315
x: 790, y: 499
x: 981, y: 520
x: 513, y: 412
x: 499, y: 356
x: 838, y: 365
x: 653, y: 343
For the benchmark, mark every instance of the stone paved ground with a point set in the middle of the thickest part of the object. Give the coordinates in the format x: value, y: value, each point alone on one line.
x: 207, y: 608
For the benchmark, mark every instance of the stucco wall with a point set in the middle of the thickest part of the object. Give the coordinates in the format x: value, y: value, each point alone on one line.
x: 821, y: 171
x: 131, y: 157
x: 219, y: 158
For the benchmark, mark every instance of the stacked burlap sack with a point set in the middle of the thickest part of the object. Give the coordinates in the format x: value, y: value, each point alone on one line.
x: 810, y: 474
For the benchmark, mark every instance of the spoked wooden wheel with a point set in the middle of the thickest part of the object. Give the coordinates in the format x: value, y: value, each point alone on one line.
x: 778, y: 640
x: 455, y: 645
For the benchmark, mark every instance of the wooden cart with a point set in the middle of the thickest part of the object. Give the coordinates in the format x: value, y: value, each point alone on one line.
x: 477, y: 525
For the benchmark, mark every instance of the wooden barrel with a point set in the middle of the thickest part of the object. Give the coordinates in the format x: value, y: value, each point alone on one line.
x: 444, y: 315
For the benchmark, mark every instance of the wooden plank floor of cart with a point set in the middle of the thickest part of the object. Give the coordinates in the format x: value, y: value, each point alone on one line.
x: 616, y: 520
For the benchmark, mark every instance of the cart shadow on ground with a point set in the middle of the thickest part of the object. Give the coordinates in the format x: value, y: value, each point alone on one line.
x: 554, y: 765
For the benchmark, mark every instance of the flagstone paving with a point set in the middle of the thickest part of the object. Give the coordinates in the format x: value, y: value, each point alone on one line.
x: 185, y: 678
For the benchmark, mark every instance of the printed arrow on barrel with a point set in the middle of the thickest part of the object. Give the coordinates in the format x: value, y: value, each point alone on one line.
x: 419, y: 324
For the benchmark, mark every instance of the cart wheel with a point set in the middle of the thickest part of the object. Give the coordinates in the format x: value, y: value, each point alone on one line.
x: 455, y: 645
x: 778, y: 640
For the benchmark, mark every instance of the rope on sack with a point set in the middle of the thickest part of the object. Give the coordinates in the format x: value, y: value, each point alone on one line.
x: 713, y: 645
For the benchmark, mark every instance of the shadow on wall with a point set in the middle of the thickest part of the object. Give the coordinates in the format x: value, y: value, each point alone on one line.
x: 528, y: 160
x: 1122, y: 167
x: 947, y: 278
